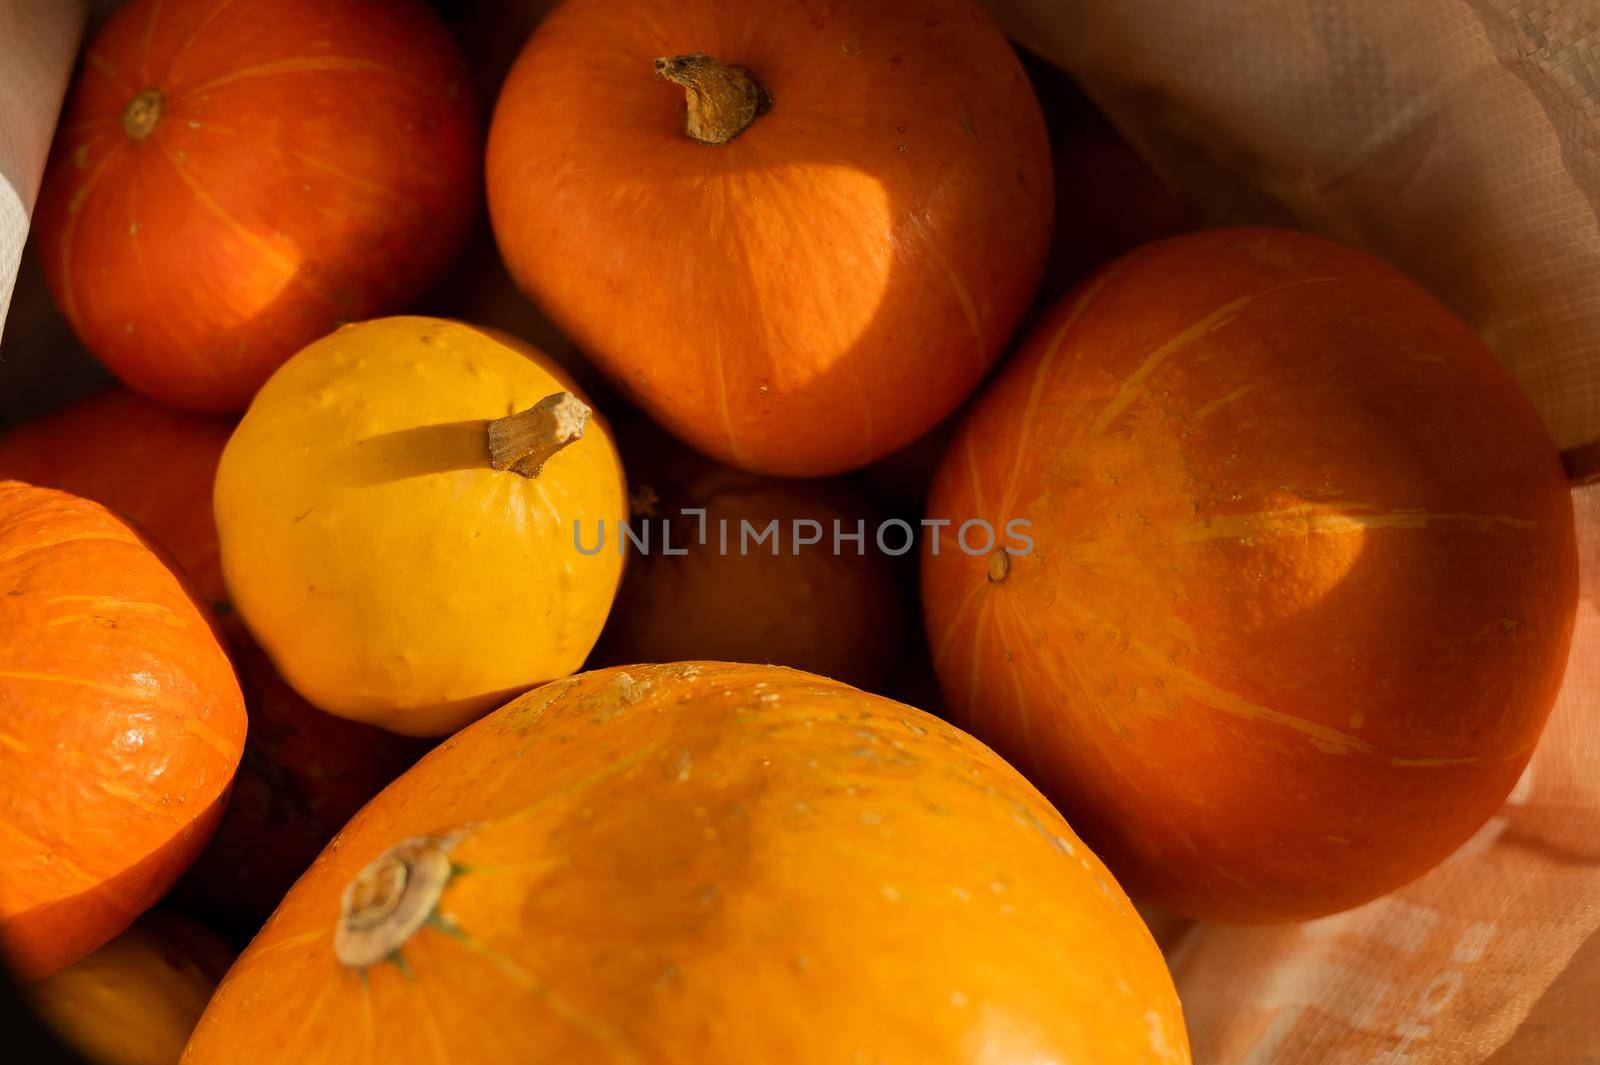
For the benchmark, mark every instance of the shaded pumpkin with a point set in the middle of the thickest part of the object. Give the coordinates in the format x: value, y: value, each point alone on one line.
x: 702, y: 863
x: 829, y: 608
x: 1304, y: 579
x: 399, y: 513
x: 824, y: 222
x: 1108, y: 201
x: 120, y: 727
x: 148, y: 463
x: 234, y: 178
x: 135, y: 1000
x: 303, y: 775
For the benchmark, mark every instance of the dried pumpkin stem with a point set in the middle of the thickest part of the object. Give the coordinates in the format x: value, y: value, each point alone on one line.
x: 523, y: 443
x: 722, y: 100
x: 141, y: 114
x: 391, y: 898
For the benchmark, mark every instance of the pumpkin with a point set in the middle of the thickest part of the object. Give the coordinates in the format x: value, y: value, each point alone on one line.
x: 409, y: 514
x: 303, y: 772
x: 303, y: 775
x: 823, y: 221
x: 701, y: 863
x: 705, y: 587
x: 1302, y: 578
x: 136, y: 999
x: 120, y: 726
x: 233, y: 178
x: 150, y: 464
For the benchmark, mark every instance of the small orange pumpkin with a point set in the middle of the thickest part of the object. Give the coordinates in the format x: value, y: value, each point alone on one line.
x: 120, y: 727
x: 148, y: 463
x: 136, y: 999
x: 234, y: 178
x: 1303, y: 580
x: 701, y: 863
x: 825, y: 607
x: 823, y: 221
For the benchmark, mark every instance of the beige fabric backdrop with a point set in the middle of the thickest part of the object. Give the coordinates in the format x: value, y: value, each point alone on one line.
x: 1459, y: 139
x: 38, y: 40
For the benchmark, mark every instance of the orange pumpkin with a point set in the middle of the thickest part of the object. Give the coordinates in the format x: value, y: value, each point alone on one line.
x: 1303, y: 578
x: 148, y: 463
x: 234, y: 178
x: 833, y: 609
x: 823, y: 221
x: 303, y: 772
x: 136, y: 999
x: 701, y: 863
x: 120, y: 727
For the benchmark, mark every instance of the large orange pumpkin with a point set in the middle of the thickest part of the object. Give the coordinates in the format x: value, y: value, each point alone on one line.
x: 702, y: 586
x: 701, y: 863
x: 823, y: 220
x: 303, y: 772
x: 234, y: 178
x: 1303, y: 577
x: 120, y: 726
x: 136, y: 999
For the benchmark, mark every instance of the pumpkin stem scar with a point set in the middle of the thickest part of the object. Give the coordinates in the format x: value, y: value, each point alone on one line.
x: 523, y: 443
x: 722, y: 100
x: 141, y: 114
x: 999, y: 566
x: 391, y: 898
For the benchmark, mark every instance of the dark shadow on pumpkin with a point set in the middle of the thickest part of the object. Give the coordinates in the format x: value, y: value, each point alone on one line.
x: 69, y: 928
x: 416, y: 452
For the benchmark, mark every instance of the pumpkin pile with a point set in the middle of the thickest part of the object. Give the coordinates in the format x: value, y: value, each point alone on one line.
x: 1251, y: 564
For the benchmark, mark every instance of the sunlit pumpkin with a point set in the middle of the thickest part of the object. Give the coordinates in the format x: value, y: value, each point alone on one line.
x: 797, y: 235
x: 401, y: 512
x: 1303, y: 576
x: 303, y: 772
x: 135, y: 1000
x: 120, y: 726
x: 701, y: 863
x: 234, y: 178
x: 717, y: 579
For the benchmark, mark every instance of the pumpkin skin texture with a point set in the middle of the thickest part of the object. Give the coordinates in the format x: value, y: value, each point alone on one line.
x: 234, y: 178
x: 303, y: 772
x: 135, y: 1000
x: 816, y: 291
x: 120, y: 727
x: 839, y: 615
x: 392, y: 575
x: 702, y: 863
x: 1304, y: 578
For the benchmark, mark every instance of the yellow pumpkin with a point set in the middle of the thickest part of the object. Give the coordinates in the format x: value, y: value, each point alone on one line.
x: 397, y: 518
x: 136, y: 999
